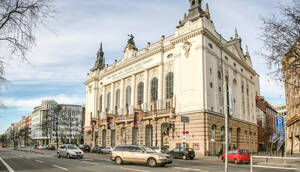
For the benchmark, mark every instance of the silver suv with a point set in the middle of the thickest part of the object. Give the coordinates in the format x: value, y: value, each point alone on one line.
x: 69, y: 151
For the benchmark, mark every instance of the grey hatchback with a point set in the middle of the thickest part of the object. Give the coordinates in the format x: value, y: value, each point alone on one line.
x: 69, y: 151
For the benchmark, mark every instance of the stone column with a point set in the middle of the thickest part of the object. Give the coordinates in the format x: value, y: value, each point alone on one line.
x: 112, y: 97
x: 122, y: 102
x: 133, y: 91
x: 160, y: 85
x: 146, y: 87
x: 103, y: 101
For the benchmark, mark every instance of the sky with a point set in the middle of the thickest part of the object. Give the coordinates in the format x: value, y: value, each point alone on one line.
x: 66, y: 49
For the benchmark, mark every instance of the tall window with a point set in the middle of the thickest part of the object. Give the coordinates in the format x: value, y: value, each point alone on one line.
x: 118, y: 99
x: 154, y: 89
x: 140, y: 93
x: 100, y: 106
x: 128, y: 96
x: 108, y: 101
x: 169, y: 85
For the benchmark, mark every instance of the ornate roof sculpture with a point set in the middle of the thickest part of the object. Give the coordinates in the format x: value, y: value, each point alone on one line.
x: 100, y: 63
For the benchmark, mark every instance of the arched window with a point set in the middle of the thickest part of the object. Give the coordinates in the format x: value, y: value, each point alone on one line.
x: 128, y: 96
x: 100, y: 105
x: 213, y: 132
x: 154, y: 89
x: 222, y: 133
x: 169, y: 85
x: 108, y: 101
x: 140, y: 93
x: 219, y: 75
x: 118, y: 98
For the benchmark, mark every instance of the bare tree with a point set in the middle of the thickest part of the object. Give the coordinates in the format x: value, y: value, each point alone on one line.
x: 280, y: 33
x: 18, y: 21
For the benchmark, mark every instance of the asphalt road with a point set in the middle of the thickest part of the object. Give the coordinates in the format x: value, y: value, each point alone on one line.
x: 46, y: 161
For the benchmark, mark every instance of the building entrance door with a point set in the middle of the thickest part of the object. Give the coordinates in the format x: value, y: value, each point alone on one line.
x: 149, y: 133
x: 103, y: 138
x: 135, y: 136
x: 113, y: 138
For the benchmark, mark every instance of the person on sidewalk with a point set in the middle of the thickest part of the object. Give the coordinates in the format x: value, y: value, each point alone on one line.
x: 220, y: 151
x: 234, y: 147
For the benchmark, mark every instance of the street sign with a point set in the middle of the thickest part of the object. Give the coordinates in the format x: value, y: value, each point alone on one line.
x: 279, y: 120
x: 185, y: 119
x: 183, y: 138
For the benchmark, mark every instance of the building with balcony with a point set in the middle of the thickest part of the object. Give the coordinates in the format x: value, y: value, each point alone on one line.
x: 194, y: 73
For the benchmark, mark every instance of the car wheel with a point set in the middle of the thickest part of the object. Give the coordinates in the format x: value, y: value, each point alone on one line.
x: 184, y: 157
x: 162, y: 165
x: 151, y: 162
x: 58, y: 155
x: 236, y: 161
x: 68, y: 156
x: 119, y: 160
x: 192, y: 158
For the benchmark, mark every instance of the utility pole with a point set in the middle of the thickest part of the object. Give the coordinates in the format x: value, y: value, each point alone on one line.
x: 285, y: 136
x: 226, y: 128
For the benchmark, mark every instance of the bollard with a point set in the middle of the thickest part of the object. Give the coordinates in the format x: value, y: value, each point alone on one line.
x: 251, y: 164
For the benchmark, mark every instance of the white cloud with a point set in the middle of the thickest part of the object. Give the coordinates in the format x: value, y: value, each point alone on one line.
x: 29, y: 104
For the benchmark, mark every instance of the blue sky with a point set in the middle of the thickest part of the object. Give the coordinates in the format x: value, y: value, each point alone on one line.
x: 65, y: 53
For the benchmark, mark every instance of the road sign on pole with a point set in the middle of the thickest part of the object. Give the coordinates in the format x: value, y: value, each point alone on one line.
x: 279, y: 120
x: 185, y: 119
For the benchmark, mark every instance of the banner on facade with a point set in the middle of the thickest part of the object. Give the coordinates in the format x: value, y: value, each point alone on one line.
x: 279, y: 120
x: 109, y: 122
x: 280, y: 141
x: 138, y: 118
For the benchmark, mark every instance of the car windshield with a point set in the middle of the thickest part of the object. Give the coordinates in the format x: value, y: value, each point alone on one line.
x: 243, y: 152
x: 149, y: 150
x: 72, y: 147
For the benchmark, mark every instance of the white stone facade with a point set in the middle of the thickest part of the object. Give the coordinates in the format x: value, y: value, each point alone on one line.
x: 201, y: 62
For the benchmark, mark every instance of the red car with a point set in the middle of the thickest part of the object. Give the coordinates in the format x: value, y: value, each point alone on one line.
x: 237, y: 156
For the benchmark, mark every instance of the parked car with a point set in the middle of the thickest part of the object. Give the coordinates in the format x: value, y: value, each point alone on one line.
x: 69, y: 151
x: 182, y: 153
x: 160, y: 149
x: 36, y: 146
x: 237, y: 156
x: 106, y: 150
x: 96, y: 149
x: 85, y: 148
x: 42, y: 147
x: 139, y: 155
x: 50, y: 147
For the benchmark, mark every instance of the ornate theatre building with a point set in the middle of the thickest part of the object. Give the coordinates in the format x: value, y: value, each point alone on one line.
x: 195, y: 73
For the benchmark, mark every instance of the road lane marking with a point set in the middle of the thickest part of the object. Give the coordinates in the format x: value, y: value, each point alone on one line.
x: 132, y: 169
x: 39, y: 161
x: 6, y: 165
x: 62, y: 168
x: 285, y: 168
x: 89, y: 162
x: 190, y: 169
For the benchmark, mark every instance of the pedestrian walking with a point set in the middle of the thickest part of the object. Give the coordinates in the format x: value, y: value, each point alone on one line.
x: 220, y: 151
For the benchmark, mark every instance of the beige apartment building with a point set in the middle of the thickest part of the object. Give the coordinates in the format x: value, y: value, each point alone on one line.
x: 193, y: 73
x: 292, y: 92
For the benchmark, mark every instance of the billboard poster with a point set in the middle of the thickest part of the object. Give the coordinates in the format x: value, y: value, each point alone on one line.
x: 275, y: 137
x: 280, y: 141
x: 138, y: 119
x: 109, y: 122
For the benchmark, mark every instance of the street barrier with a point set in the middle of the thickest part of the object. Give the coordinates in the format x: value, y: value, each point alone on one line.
x: 267, y: 158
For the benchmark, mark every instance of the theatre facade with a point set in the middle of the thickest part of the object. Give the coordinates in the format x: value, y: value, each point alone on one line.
x: 194, y: 73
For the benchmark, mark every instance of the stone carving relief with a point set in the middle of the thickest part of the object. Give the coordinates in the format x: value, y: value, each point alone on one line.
x: 128, y: 81
x: 139, y: 77
x: 153, y: 73
x: 169, y: 67
x: 187, y: 47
